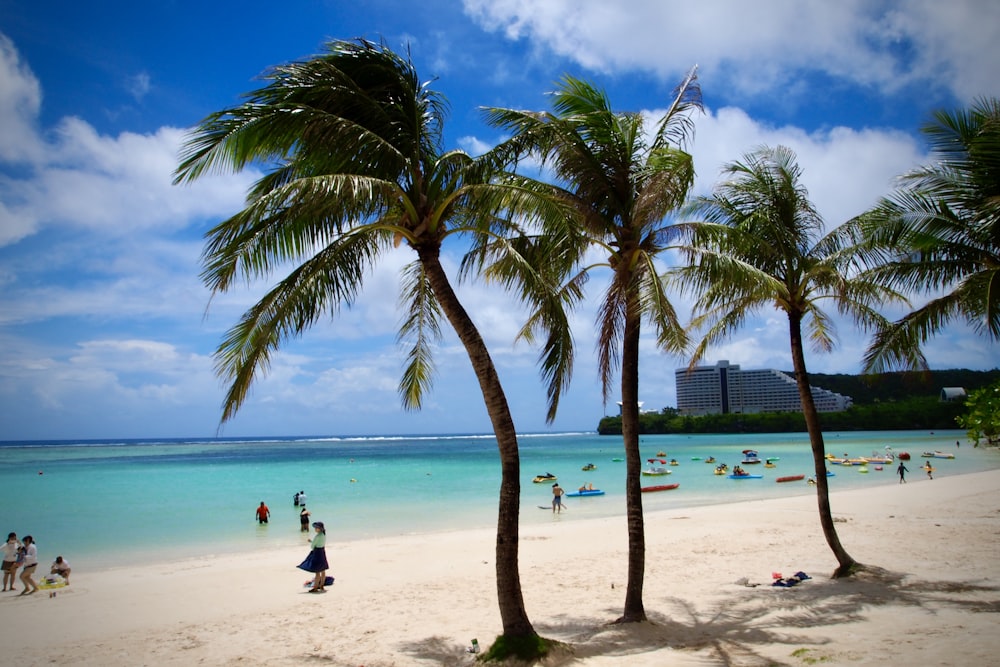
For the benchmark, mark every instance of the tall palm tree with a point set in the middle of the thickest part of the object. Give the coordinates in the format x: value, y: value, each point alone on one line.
x: 940, y: 233
x: 352, y: 139
x: 758, y: 245
x: 622, y: 185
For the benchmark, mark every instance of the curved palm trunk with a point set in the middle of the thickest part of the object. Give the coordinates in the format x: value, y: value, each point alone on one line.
x: 846, y: 563
x: 512, y: 613
x: 634, y: 609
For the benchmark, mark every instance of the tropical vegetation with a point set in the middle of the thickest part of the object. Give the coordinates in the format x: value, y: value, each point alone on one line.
x: 982, y: 417
x: 622, y: 184
x: 938, y: 234
x: 351, y: 140
x: 757, y: 245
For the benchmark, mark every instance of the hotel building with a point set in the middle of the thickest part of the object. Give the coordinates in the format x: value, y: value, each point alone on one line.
x: 725, y: 388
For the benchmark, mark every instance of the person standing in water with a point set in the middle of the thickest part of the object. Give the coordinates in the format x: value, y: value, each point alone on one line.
x: 557, y: 494
x: 316, y: 560
x: 304, y: 519
x: 263, y: 513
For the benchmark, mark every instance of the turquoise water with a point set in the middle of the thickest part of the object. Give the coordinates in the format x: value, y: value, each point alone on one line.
x: 106, y: 503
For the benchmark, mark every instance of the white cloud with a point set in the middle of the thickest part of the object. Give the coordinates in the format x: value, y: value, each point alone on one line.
x: 20, y: 101
x: 761, y: 47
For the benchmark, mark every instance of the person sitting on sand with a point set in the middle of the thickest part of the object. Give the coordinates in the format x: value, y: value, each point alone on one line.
x: 61, y: 567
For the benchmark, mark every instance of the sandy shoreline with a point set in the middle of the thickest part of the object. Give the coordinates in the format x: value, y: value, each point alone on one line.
x: 418, y: 600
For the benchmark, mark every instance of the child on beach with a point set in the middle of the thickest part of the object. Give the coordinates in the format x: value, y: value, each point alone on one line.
x: 10, y: 549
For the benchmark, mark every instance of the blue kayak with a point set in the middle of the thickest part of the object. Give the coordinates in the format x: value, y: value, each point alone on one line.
x: 745, y: 476
x: 587, y: 492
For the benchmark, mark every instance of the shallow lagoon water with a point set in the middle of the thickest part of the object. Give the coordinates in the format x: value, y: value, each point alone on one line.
x: 104, y: 503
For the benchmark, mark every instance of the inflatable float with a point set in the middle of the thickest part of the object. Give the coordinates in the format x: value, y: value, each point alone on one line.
x: 584, y: 493
x: 660, y: 487
x: 790, y: 478
x: 745, y: 476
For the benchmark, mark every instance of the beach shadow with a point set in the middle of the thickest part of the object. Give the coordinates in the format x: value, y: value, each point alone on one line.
x: 733, y: 630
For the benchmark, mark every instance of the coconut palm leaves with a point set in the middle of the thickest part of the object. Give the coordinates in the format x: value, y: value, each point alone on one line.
x: 351, y: 144
x: 621, y: 185
x: 759, y: 244
x: 939, y: 234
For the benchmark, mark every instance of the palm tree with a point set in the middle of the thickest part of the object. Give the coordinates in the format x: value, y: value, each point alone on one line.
x: 940, y: 232
x: 353, y: 141
x: 758, y: 245
x: 622, y: 185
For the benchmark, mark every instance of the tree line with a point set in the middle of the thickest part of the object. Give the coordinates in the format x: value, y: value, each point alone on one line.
x: 883, y: 402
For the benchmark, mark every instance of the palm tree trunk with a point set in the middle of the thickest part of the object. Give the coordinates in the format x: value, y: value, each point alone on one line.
x: 846, y: 563
x: 512, y: 613
x: 634, y: 609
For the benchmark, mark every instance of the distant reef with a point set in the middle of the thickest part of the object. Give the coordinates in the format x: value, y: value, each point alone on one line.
x: 882, y: 402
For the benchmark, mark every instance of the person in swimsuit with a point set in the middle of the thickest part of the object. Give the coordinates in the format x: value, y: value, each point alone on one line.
x: 304, y: 519
x: 557, y: 493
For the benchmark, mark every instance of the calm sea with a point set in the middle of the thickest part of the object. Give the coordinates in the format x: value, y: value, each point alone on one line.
x: 104, y: 503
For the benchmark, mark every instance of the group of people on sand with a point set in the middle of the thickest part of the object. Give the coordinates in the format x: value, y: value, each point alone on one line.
x: 22, y: 554
x: 316, y: 561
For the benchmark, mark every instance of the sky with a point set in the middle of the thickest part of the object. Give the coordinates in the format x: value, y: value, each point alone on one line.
x: 106, y: 330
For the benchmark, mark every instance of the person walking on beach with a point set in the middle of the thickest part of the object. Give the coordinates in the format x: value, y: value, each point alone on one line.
x: 263, y: 513
x: 557, y: 493
x: 902, y: 470
x: 10, y: 549
x: 316, y: 560
x: 304, y: 519
x: 30, y: 563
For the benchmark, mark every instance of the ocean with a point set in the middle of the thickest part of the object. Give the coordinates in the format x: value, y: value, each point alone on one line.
x: 107, y: 503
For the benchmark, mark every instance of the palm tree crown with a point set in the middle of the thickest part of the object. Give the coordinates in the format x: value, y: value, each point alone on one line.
x: 940, y: 233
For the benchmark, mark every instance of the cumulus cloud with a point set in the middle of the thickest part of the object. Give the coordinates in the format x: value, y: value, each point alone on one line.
x: 761, y: 47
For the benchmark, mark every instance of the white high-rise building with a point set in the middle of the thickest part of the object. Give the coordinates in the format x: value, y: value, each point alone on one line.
x: 725, y: 388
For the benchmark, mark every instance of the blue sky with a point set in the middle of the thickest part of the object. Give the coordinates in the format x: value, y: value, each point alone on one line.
x: 106, y: 330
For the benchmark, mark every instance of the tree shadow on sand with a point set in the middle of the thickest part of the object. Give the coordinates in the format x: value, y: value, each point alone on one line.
x: 733, y: 629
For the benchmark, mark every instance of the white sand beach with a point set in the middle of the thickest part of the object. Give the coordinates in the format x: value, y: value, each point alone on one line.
x: 419, y: 600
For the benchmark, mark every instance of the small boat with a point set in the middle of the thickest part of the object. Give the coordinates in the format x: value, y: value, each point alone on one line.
x: 710, y: 459
x: 674, y: 462
x: 928, y: 455
x: 750, y: 457
x: 659, y: 487
x: 721, y: 469
x: 768, y: 464
x: 696, y: 458
x: 904, y: 456
x: 746, y: 476
x: 582, y: 493
x: 943, y: 455
x: 589, y: 466
x: 661, y: 453
x: 656, y: 470
x: 790, y: 478
x: 547, y: 477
